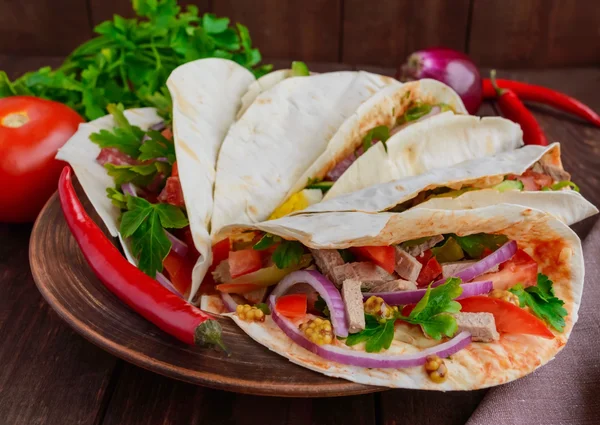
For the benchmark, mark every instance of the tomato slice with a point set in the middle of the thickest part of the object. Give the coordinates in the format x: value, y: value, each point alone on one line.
x: 509, y: 318
x: 293, y: 305
x: 383, y: 256
x: 175, y: 170
x: 243, y: 262
x: 431, y: 268
x: 179, y: 271
x: 237, y: 288
x: 521, y: 268
x: 534, y: 181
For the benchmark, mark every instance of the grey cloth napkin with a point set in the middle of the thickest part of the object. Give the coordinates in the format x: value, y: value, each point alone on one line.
x: 566, y: 390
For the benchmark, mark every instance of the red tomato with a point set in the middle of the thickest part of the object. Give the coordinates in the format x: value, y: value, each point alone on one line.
x: 509, y: 318
x: 407, y: 309
x: 521, y: 268
x: 220, y: 252
x: 383, y: 256
x: 179, y: 271
x: 31, y: 131
x: 534, y: 181
x: 175, y: 170
x: 237, y: 288
x: 167, y: 133
x: 293, y: 305
x: 244, y: 262
x: 431, y: 268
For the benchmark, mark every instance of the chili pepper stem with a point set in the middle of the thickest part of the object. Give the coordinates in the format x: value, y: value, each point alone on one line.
x: 209, y: 333
x: 499, y: 91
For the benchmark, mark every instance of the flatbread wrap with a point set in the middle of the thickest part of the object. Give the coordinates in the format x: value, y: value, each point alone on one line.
x: 152, y: 181
x: 532, y: 176
x: 424, y: 299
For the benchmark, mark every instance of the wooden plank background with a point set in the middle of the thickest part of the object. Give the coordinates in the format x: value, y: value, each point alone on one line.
x: 499, y: 33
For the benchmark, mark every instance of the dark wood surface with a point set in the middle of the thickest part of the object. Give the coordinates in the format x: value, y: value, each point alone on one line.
x: 502, y: 33
x: 51, y: 375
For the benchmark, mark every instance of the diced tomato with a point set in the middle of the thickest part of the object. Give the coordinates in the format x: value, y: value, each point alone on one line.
x: 431, y: 268
x: 244, y: 262
x: 407, y: 309
x: 179, y: 271
x: 237, y: 288
x: 172, y: 193
x: 220, y: 252
x: 521, y: 268
x: 293, y: 305
x: 486, y: 251
x: 509, y: 318
x: 114, y: 156
x: 175, y: 170
x: 383, y: 256
x: 167, y: 133
x: 534, y: 181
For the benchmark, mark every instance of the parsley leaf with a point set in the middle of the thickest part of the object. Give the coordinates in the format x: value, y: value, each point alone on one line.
x: 288, y: 254
x: 416, y: 112
x: 140, y: 175
x: 321, y: 306
x: 347, y: 255
x: 117, y: 198
x: 299, y: 69
x: 377, y: 335
x: 264, y: 308
x: 157, y: 146
x: 433, y: 311
x: 124, y: 137
x: 379, y: 133
x: 542, y: 302
x: 144, y: 225
x: 266, y: 242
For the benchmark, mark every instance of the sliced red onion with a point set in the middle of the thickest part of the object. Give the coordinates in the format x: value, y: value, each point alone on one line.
x: 129, y: 189
x: 326, y: 290
x: 502, y: 254
x: 413, y: 297
x: 162, y: 279
x: 450, y: 67
x: 363, y: 359
x: 159, y: 126
x: 179, y: 246
x: 228, y: 302
x: 161, y: 159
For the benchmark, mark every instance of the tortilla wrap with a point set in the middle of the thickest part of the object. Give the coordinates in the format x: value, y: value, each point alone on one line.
x: 383, y: 108
x: 206, y: 96
x: 554, y: 246
x: 279, y: 136
x: 440, y: 141
x: 569, y: 206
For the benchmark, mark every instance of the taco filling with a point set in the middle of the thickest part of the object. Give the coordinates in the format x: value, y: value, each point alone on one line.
x: 440, y: 293
x: 148, y: 192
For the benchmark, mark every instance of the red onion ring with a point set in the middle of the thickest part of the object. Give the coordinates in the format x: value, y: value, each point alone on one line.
x: 179, y: 246
x: 162, y: 279
x: 502, y: 254
x: 129, y: 188
x: 413, y: 297
x: 363, y: 359
x: 228, y: 302
x: 326, y: 290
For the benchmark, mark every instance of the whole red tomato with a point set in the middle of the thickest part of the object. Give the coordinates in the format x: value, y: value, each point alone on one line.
x: 31, y: 131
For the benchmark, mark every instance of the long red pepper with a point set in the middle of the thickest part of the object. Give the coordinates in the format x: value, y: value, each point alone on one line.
x: 532, y: 93
x: 135, y: 288
x: 513, y: 109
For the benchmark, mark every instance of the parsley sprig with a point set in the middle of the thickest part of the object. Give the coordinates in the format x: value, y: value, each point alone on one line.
x: 144, y: 224
x: 433, y: 313
x: 542, y: 301
x: 287, y: 254
x: 130, y: 59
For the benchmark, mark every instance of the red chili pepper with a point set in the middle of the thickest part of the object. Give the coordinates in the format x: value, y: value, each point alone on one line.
x: 539, y: 94
x: 513, y: 109
x: 135, y: 288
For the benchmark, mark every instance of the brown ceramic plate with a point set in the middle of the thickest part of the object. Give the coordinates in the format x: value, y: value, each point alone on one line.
x: 70, y: 287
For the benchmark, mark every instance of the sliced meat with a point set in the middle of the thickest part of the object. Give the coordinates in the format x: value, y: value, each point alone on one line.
x: 368, y: 274
x: 221, y: 273
x: 450, y: 269
x: 257, y: 296
x: 114, y: 156
x: 407, y: 266
x: 327, y: 260
x: 481, y: 326
x: 353, y: 301
x: 340, y: 168
x: 417, y: 250
x: 396, y: 286
x: 172, y: 193
x: 556, y: 172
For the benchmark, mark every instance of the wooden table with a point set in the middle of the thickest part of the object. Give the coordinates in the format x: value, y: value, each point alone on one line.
x: 51, y: 375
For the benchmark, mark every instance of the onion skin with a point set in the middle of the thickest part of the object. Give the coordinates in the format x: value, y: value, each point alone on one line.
x: 450, y: 67
x: 413, y: 297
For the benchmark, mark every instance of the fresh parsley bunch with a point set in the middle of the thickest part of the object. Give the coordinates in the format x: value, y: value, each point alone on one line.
x: 130, y: 60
